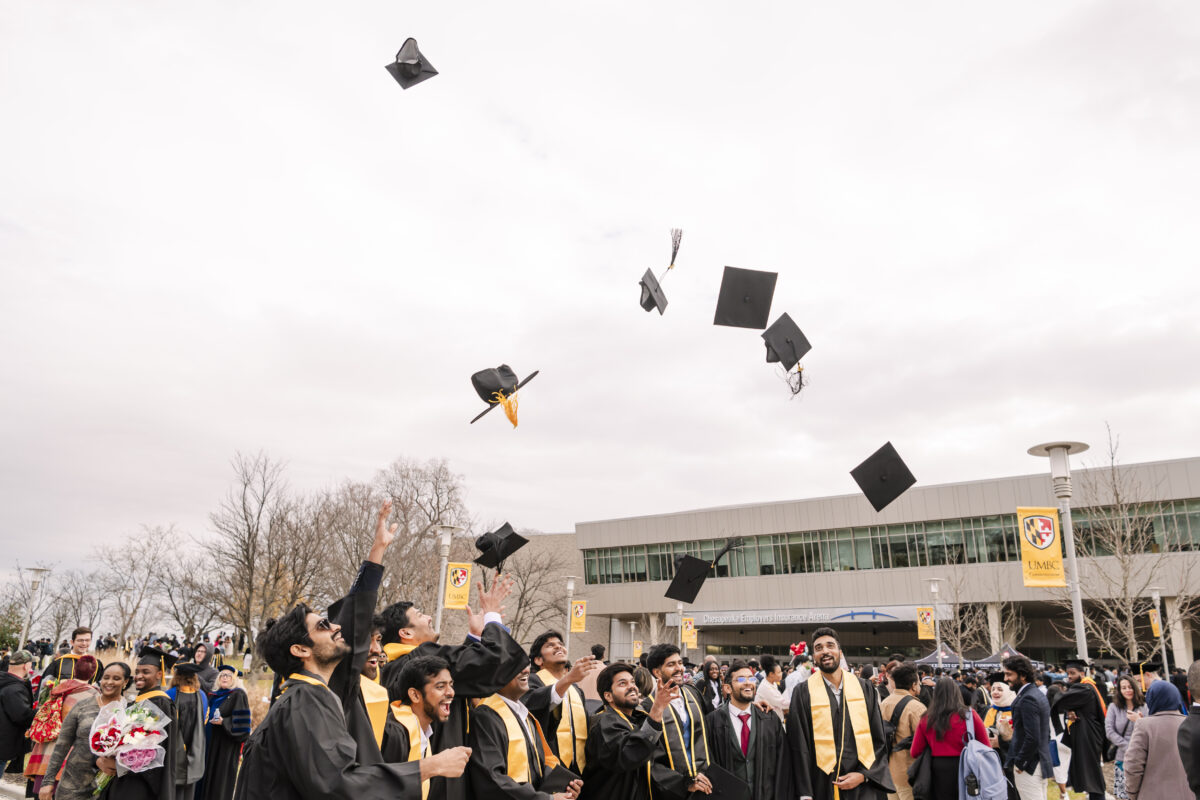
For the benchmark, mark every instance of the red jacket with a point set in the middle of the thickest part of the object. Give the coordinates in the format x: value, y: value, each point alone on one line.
x: 952, y: 743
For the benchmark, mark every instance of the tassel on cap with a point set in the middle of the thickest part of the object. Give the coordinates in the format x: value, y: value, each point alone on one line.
x: 509, y: 404
x: 676, y: 238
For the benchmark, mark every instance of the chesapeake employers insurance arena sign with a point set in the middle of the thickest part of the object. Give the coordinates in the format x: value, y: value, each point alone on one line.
x: 803, y: 616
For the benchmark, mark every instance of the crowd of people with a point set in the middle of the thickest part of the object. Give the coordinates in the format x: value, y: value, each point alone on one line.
x: 368, y: 703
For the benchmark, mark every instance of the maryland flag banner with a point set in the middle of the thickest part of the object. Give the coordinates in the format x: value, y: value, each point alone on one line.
x: 1155, y: 625
x: 925, y: 629
x: 1041, y: 547
x: 578, y: 616
x: 637, y: 648
x: 689, y: 631
x: 458, y: 586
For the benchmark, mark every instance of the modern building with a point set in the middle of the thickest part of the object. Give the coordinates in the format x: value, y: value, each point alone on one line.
x: 834, y: 560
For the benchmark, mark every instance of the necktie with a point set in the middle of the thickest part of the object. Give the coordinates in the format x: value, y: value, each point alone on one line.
x: 745, y: 718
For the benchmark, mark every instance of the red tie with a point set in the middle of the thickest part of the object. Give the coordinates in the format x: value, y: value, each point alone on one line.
x: 745, y: 718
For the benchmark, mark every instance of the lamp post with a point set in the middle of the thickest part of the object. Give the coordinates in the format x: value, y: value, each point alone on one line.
x: 1060, y: 473
x: 567, y: 632
x: 937, y: 632
x: 445, y: 534
x: 37, y: 579
x: 679, y: 610
x: 632, y: 637
x: 1162, y: 644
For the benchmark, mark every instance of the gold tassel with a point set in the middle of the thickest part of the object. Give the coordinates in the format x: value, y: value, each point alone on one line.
x: 510, y: 406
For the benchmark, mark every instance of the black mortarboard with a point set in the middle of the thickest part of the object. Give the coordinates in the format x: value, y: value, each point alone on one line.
x: 188, y: 669
x: 496, y: 387
x: 1150, y: 665
x: 691, y: 572
x: 411, y: 66
x: 786, y: 343
x: 995, y: 677
x: 153, y: 656
x: 725, y: 784
x: 745, y: 298
x: 1075, y: 663
x: 883, y: 477
x: 496, y: 546
x: 557, y: 780
x: 652, y: 294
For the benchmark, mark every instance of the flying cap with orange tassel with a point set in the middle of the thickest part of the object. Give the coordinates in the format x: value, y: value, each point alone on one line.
x: 499, y: 387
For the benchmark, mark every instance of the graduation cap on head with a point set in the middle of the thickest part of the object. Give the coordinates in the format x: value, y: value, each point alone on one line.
x: 496, y: 546
x: 995, y: 677
x: 786, y: 345
x: 726, y: 785
x: 498, y: 387
x: 1075, y: 663
x: 411, y: 66
x: 691, y: 572
x: 152, y: 656
x: 652, y: 293
x: 1149, y: 665
x: 230, y: 668
x: 745, y: 298
x: 188, y: 669
x: 883, y: 477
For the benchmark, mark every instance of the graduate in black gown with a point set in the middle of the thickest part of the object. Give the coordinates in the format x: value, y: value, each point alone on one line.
x: 303, y: 749
x: 62, y: 667
x: 428, y: 695
x: 475, y: 665
x: 624, y: 738
x: 157, y: 783
x: 1084, y: 712
x: 191, y: 711
x: 510, y: 758
x: 682, y: 754
x: 228, y: 727
x: 836, y: 745
x: 556, y: 700
x: 758, y: 766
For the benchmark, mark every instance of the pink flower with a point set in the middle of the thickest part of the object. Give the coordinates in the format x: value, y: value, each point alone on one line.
x: 137, y: 760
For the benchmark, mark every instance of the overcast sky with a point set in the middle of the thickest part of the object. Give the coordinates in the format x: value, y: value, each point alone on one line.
x: 224, y: 227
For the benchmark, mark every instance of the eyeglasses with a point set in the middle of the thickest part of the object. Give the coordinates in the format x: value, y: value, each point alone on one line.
x: 746, y: 679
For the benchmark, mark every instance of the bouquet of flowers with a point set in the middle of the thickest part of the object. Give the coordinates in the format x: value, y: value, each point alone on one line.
x: 132, y: 735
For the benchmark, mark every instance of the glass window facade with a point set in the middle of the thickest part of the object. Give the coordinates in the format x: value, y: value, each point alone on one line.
x: 970, y: 540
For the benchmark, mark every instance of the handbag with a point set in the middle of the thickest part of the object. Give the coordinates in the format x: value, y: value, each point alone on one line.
x: 920, y: 776
x: 1110, y: 749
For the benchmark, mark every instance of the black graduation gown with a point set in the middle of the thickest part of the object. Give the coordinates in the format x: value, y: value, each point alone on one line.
x: 63, y: 667
x: 224, y: 747
x: 677, y: 769
x: 353, y: 613
x: 157, y: 783
x: 1085, y: 736
x: 549, y: 716
x: 802, y: 777
x: 302, y: 751
x: 767, y: 743
x: 619, y: 753
x: 487, y: 770
x: 477, y: 667
x: 395, y: 741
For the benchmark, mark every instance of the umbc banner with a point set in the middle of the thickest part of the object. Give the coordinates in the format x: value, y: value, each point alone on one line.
x: 1041, y: 547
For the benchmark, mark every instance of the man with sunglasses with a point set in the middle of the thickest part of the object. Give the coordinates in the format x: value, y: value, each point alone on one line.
x: 744, y: 739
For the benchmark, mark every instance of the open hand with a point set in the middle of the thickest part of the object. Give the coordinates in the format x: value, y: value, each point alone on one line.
x: 664, y: 693
x: 384, y: 534
x: 582, y: 667
x: 493, y: 599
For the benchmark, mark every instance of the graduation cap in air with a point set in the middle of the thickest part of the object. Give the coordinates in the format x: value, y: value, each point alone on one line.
x: 745, y: 298
x: 496, y: 546
x: 411, y: 66
x: 152, y: 656
x: 726, y: 785
x: 691, y: 572
x: 652, y: 293
x: 498, y: 387
x: 883, y: 477
x: 786, y: 345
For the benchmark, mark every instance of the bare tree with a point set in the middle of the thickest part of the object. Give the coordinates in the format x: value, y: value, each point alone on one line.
x: 79, y: 595
x: 966, y: 626
x: 32, y: 605
x: 1120, y: 529
x: 184, y: 595
x: 539, y: 597
x: 655, y: 630
x: 130, y: 572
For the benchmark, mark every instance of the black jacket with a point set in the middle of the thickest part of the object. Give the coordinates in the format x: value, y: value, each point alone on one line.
x: 1030, y: 746
x: 767, y: 745
x: 16, y: 712
x: 1188, y: 739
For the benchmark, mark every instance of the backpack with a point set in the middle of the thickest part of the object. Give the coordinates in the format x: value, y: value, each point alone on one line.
x: 979, y: 772
x: 892, y: 726
x: 47, y: 724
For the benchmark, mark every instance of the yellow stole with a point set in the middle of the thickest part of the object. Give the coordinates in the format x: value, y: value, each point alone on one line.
x: 375, y: 698
x: 405, y: 716
x: 150, y: 694
x: 518, y: 754
x: 395, y: 650
x: 572, y: 726
x: 688, y: 747
x: 829, y: 756
x: 296, y: 676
